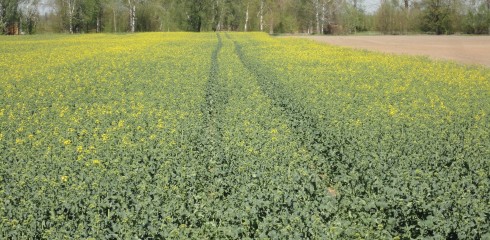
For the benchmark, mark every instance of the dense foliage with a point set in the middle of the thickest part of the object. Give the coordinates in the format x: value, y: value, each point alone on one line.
x: 273, y: 16
x: 183, y: 135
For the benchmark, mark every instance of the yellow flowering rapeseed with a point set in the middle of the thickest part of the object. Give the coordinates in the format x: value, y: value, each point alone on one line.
x: 183, y: 127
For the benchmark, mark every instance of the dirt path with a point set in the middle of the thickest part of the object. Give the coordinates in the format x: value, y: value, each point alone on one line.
x: 464, y: 49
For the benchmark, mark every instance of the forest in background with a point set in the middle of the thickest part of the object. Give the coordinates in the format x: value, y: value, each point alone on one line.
x: 272, y: 16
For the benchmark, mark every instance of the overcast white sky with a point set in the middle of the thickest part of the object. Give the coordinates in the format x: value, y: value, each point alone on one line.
x: 370, y: 5
x: 44, y: 7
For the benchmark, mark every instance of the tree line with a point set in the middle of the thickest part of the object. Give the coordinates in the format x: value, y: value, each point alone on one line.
x: 273, y: 16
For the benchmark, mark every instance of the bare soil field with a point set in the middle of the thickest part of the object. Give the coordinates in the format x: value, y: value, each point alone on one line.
x: 463, y: 49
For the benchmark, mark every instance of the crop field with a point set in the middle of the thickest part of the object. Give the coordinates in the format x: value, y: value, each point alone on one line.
x: 235, y: 136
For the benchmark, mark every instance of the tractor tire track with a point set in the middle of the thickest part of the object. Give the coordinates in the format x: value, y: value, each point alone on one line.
x: 209, y: 157
x: 299, y: 118
x: 217, y: 96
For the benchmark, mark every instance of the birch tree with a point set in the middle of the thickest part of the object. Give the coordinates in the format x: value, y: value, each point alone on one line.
x: 131, y: 4
x: 261, y: 15
x: 245, y: 28
x: 29, y: 10
x: 95, y: 11
x: 70, y: 10
x: 318, y: 15
x: 132, y: 15
x: 308, y: 16
x: 197, y: 13
x: 266, y: 7
x: 218, y: 9
x: 114, y: 7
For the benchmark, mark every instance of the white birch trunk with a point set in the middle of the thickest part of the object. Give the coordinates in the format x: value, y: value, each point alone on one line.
x: 133, y: 20
x: 271, y: 28
x: 261, y: 12
x: 132, y: 16
x: 114, y: 19
x: 324, y: 8
x: 71, y: 11
x: 98, y: 24
x: 246, y: 19
x: 317, y: 15
x: 218, y: 15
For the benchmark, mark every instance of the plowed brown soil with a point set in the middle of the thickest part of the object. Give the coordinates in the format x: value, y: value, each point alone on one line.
x: 463, y: 49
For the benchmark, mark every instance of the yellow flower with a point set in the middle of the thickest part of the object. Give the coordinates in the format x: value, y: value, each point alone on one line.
x: 67, y: 142
x: 79, y: 149
x: 120, y: 123
x: 478, y: 117
x: 64, y: 178
x: 96, y: 162
x: 105, y: 137
x: 392, y: 110
x: 358, y: 123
